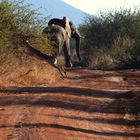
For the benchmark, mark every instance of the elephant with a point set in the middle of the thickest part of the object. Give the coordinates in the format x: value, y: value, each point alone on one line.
x: 74, y: 31
x: 60, y: 40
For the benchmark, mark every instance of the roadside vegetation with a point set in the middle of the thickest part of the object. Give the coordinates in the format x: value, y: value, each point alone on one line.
x: 112, y: 40
x: 17, y: 22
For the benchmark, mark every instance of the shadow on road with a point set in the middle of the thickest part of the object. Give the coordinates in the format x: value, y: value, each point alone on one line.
x: 70, y: 90
x: 57, y: 126
x: 77, y: 99
x: 123, y: 102
x: 116, y: 121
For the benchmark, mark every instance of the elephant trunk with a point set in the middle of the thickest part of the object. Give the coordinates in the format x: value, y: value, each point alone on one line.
x: 78, y: 47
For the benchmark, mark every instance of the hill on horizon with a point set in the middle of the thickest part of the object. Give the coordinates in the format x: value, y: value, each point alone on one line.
x: 58, y: 9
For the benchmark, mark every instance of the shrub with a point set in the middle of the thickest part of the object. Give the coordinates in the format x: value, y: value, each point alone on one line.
x: 18, y: 21
x: 112, y: 39
x: 122, y: 52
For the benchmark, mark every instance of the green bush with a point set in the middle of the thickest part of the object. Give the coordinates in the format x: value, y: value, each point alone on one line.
x: 18, y: 21
x: 112, y: 39
x: 122, y: 52
x: 101, y: 59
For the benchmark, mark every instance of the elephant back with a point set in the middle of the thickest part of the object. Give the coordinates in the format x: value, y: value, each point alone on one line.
x: 56, y: 21
x: 55, y: 30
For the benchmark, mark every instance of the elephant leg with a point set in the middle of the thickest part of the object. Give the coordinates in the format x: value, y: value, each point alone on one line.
x: 67, y: 55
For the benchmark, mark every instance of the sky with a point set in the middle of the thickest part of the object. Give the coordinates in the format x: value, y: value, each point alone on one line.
x: 94, y: 6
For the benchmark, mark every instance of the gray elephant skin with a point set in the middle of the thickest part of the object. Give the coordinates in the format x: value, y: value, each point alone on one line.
x: 60, y: 41
x: 74, y: 32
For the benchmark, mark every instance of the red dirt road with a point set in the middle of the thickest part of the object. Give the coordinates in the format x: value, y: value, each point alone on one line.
x: 88, y: 105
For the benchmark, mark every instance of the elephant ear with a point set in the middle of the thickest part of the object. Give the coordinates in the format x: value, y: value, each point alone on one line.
x: 73, y: 28
x: 67, y: 26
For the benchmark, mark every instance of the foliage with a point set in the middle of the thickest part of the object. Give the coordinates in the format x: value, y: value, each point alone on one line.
x: 113, y: 35
x: 122, y: 51
x: 18, y: 21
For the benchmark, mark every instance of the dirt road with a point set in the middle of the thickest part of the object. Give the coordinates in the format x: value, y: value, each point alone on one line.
x: 88, y: 105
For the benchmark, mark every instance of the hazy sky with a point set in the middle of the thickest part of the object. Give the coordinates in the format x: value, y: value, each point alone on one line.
x: 93, y: 6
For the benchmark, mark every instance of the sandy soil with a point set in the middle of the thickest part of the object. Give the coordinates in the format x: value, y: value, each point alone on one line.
x: 88, y: 105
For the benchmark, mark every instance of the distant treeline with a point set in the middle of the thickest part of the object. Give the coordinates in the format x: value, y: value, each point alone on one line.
x: 112, y: 40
